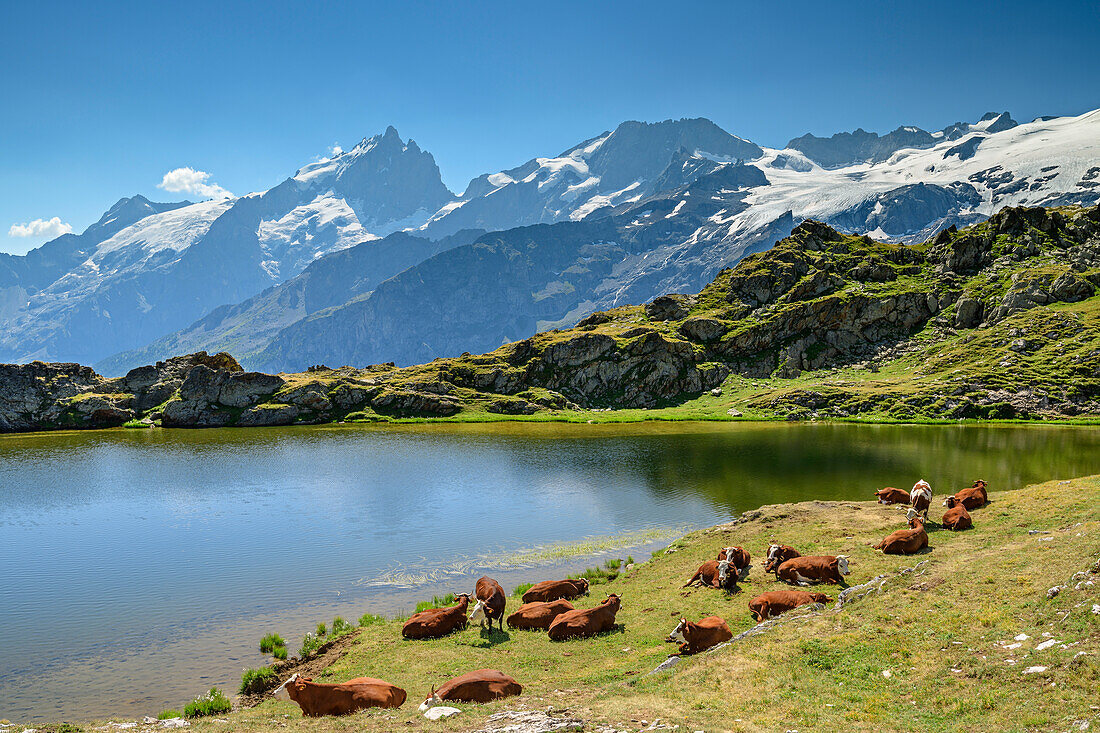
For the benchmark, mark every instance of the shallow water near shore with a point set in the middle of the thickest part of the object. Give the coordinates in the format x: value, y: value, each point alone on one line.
x: 140, y: 567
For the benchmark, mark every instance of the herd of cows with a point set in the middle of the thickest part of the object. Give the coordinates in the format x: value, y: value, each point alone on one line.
x: 548, y: 606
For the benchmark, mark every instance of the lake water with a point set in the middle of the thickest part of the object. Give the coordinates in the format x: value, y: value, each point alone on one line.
x: 140, y: 567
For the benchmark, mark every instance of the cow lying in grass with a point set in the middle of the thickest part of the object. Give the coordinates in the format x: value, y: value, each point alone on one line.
x: 695, y: 638
x: 538, y: 614
x: 739, y: 560
x: 890, y: 495
x: 814, y: 569
x: 552, y: 590
x: 481, y: 685
x: 771, y: 604
x: 343, y: 698
x: 956, y: 517
x: 436, y: 622
x: 777, y: 555
x: 586, y: 622
x: 715, y: 574
x: 973, y: 497
x: 906, y: 541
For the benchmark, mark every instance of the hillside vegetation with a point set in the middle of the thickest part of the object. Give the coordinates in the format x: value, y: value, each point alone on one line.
x: 1000, y: 320
x: 930, y: 648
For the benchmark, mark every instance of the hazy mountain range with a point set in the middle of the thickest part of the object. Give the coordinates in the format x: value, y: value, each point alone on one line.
x: 368, y: 257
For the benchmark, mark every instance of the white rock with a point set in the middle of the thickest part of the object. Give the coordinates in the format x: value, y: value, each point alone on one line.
x: 1046, y: 644
x: 441, y: 711
x: 1021, y: 637
x: 1035, y: 670
x: 1096, y: 608
x: 886, y: 673
x: 175, y: 723
x: 1017, y: 645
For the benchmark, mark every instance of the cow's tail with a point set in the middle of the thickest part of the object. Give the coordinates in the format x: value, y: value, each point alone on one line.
x: 697, y: 576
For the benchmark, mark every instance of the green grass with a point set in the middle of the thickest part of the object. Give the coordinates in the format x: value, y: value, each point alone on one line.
x: 256, y: 680
x: 939, y: 631
x: 520, y: 589
x: 270, y: 642
x: 279, y: 652
x: 435, y: 602
x: 213, y: 702
x: 169, y: 714
x: 136, y: 424
x: 370, y: 619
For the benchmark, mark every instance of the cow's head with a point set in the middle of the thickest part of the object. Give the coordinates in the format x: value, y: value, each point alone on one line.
x: 677, y: 634
x: 842, y: 564
x: 281, y: 691
x: 583, y: 583
x: 478, y: 616
x: 821, y: 598
x: 614, y: 600
x: 949, y: 502
x: 728, y: 552
x: 772, y: 559
x: 723, y: 571
x: 979, y: 484
x: 431, y: 701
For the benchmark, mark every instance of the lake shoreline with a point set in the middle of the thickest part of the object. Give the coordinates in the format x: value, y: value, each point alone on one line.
x: 1042, y: 554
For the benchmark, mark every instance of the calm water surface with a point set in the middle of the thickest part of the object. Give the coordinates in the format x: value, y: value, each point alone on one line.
x: 138, y: 568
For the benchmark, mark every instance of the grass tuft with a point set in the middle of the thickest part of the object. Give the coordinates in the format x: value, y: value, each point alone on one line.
x: 213, y: 702
x: 257, y: 680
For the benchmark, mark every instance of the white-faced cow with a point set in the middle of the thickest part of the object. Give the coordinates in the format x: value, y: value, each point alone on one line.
x: 777, y: 555
x: 740, y: 561
x: 814, y: 569
x: 715, y: 574
x: 490, y: 603
x: 906, y: 541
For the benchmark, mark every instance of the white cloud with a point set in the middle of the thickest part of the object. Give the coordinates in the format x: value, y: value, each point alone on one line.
x: 336, y: 150
x: 190, y: 181
x: 49, y: 228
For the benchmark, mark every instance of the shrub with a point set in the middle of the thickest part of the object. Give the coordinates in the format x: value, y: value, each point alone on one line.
x: 310, y: 645
x: 341, y: 627
x: 521, y: 589
x: 606, y: 574
x: 169, y: 714
x: 629, y: 559
x: 279, y: 652
x: 436, y: 602
x: 269, y: 642
x: 369, y: 619
x: 322, y: 630
x: 212, y: 703
x: 257, y: 680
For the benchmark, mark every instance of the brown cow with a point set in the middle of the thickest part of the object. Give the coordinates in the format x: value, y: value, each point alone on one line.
x: 906, y: 541
x: 920, y: 498
x: 481, y: 685
x: 714, y: 573
x: 317, y: 699
x: 973, y: 497
x: 814, y: 569
x: 539, y: 614
x: 740, y: 561
x: 771, y: 604
x: 490, y: 603
x: 956, y: 517
x: 777, y: 555
x: 436, y: 622
x: 890, y: 495
x: 694, y: 638
x: 586, y: 622
x: 552, y: 590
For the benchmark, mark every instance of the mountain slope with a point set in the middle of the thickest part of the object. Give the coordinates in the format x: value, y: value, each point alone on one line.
x: 605, y: 171
x: 169, y: 268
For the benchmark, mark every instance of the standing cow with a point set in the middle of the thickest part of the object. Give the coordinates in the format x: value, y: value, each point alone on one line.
x: 586, y: 622
x: 436, y: 622
x: 317, y: 699
x: 920, y: 498
x: 490, y: 603
x: 694, y: 638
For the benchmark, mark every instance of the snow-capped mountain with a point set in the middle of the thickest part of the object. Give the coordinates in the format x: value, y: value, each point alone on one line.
x: 606, y: 171
x: 619, y: 218
x: 124, y: 287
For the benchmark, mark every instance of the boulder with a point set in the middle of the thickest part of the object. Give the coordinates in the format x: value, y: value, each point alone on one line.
x: 247, y: 388
x: 414, y: 404
x: 268, y: 414
x: 703, y: 329
x: 672, y: 307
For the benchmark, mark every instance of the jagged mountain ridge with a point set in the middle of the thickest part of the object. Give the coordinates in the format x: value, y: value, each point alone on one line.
x: 972, y: 172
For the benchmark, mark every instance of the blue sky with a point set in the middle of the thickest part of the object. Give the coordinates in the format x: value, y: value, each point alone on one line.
x: 101, y: 100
